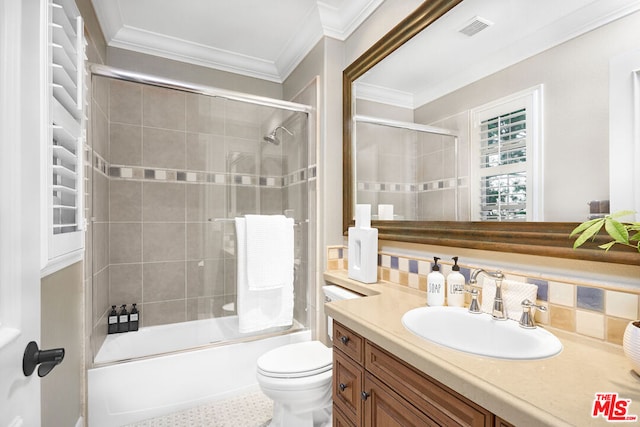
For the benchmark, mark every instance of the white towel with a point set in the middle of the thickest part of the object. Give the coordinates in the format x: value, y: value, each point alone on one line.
x: 269, y: 251
x: 263, y: 309
x: 513, y: 293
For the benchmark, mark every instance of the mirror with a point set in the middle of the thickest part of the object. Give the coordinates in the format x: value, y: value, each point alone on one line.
x: 457, y: 92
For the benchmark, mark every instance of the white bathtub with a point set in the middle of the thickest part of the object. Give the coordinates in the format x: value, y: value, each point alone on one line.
x: 126, y: 392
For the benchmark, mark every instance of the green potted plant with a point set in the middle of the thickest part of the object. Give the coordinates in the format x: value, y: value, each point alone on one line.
x: 622, y: 233
x: 626, y: 234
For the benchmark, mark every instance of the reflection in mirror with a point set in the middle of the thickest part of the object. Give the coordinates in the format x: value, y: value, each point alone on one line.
x: 406, y: 169
x: 527, y: 96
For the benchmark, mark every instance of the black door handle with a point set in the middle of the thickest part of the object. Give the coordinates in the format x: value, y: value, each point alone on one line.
x: 47, y: 359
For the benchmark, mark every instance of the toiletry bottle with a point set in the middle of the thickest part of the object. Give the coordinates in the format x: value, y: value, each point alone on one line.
x: 123, y: 319
x: 435, y: 285
x: 133, y: 318
x: 455, y: 286
x: 363, y: 247
x: 113, y: 321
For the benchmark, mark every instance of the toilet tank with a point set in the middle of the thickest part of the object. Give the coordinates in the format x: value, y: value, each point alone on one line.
x: 336, y: 293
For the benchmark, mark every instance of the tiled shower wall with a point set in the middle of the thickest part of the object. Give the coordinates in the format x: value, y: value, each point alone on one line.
x: 171, y: 171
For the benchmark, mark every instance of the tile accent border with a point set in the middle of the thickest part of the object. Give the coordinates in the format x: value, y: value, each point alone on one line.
x: 588, y: 309
x: 141, y: 173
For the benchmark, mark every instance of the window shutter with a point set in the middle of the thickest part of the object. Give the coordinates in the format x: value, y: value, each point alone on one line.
x: 503, y: 158
x: 506, y: 172
x: 67, y: 121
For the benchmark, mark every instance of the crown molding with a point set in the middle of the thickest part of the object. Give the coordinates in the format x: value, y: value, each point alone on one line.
x: 383, y: 95
x: 340, y: 21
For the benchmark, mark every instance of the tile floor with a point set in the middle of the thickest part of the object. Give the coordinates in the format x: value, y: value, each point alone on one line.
x: 253, y: 409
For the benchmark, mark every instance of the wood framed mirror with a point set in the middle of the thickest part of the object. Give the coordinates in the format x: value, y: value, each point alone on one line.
x: 549, y: 239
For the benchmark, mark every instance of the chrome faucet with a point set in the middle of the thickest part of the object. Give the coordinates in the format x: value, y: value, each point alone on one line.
x: 498, y: 311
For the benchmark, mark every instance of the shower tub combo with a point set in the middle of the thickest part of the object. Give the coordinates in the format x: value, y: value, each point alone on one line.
x: 161, y: 369
x: 146, y: 386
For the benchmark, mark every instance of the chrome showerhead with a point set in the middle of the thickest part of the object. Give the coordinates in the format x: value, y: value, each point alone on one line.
x: 272, y: 138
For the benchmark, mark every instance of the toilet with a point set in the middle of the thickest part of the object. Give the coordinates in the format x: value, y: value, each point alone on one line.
x: 297, y: 377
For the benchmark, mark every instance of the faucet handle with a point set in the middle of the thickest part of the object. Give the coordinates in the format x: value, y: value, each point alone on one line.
x: 474, y: 307
x: 526, y: 320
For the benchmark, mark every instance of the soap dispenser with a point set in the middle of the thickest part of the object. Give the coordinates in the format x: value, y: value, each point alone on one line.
x: 435, y: 285
x: 113, y: 321
x: 455, y: 286
x: 123, y: 319
x: 363, y: 247
x: 134, y: 318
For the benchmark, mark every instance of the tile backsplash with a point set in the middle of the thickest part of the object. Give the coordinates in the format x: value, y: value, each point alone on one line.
x: 589, y: 309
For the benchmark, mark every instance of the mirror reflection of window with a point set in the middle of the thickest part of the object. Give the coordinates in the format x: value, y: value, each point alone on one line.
x: 505, y: 156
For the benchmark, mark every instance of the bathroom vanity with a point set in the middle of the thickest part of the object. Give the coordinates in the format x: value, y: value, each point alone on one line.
x: 385, y: 375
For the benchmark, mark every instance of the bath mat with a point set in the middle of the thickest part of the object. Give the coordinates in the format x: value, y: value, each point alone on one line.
x: 248, y: 410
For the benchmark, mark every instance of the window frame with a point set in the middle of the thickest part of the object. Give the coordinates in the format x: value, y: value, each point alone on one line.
x: 530, y: 99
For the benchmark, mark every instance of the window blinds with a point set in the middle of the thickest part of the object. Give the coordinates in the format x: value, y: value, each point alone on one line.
x: 67, y: 122
x: 503, y: 167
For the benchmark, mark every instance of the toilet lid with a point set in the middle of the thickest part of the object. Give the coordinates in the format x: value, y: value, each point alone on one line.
x: 296, y: 360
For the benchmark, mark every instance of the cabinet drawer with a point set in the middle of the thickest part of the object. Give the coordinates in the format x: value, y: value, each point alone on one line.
x: 347, y: 386
x: 348, y: 342
x: 340, y: 419
x: 440, y: 403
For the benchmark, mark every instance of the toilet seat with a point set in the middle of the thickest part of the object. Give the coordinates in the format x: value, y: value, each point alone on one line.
x: 296, y: 360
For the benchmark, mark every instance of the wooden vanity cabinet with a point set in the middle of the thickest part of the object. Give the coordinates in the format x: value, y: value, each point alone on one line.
x: 371, y: 387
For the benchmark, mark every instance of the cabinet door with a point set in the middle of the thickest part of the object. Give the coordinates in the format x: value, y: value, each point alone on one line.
x: 340, y: 419
x: 383, y: 407
x: 347, y: 386
x: 441, y: 403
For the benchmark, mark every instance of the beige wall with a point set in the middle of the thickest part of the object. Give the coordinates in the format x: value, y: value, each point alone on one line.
x: 62, y: 319
x: 575, y: 109
x: 168, y: 68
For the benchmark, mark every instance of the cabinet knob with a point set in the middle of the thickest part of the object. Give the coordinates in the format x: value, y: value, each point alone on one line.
x: 344, y: 339
x: 342, y: 386
x: 364, y: 395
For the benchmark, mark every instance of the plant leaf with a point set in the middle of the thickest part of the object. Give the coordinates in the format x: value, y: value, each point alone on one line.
x: 607, y: 246
x: 635, y: 237
x: 588, y: 233
x: 616, y: 230
x: 580, y: 228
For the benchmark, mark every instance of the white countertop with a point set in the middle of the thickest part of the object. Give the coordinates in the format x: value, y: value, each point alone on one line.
x: 556, y: 391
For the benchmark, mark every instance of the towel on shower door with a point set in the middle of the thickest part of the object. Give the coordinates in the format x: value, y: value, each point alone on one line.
x: 269, y: 251
x: 259, y: 309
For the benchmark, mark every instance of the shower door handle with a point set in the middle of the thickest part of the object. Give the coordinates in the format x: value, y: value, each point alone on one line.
x: 47, y: 359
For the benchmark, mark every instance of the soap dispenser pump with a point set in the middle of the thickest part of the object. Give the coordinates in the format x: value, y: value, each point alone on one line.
x: 455, y: 286
x: 113, y: 321
x: 123, y: 319
x: 435, y: 285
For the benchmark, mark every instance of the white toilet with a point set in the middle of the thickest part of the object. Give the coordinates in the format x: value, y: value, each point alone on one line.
x: 297, y: 377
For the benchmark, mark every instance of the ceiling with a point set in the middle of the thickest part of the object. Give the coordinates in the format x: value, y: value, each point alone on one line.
x: 266, y: 39
x: 441, y: 59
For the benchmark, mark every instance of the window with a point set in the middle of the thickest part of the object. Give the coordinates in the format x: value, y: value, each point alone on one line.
x: 66, y: 122
x: 505, y: 159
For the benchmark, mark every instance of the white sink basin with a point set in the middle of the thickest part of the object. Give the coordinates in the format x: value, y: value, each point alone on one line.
x: 480, y: 334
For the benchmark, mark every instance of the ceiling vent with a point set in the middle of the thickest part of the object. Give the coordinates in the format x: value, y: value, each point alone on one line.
x: 474, y: 26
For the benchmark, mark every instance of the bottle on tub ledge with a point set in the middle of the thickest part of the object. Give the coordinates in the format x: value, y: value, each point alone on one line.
x: 112, y: 321
x: 134, y: 318
x: 435, y: 285
x: 123, y: 319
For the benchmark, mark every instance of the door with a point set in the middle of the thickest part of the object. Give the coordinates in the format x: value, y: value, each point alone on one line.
x: 21, y: 97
